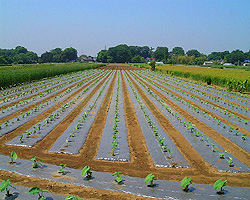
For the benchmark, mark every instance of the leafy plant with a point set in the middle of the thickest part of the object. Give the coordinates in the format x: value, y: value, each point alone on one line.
x: 13, y: 157
x: 73, y: 198
x: 150, y: 178
x: 185, y: 183
x: 37, y: 190
x: 20, y: 138
x: 36, y: 164
x: 244, y: 137
x: 5, y: 186
x: 61, y: 170
x: 86, y: 170
x: 219, y: 184
x: 230, y: 162
x: 118, y: 178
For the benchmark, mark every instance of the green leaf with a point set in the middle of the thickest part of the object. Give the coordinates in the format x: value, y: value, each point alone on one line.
x: 118, y: 179
x: 116, y: 173
x: 73, y: 198
x: 149, y: 178
x: 185, y: 182
x: 219, y: 184
x: 35, y: 190
x: 4, y: 185
x: 33, y: 159
x: 84, y: 170
x: 13, y: 155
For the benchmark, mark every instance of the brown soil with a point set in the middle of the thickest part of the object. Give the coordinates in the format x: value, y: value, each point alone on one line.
x: 141, y: 163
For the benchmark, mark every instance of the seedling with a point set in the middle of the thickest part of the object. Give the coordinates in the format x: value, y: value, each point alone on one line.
x: 219, y: 184
x: 244, y: 137
x: 169, y: 154
x: 118, y: 178
x: 61, y: 170
x: 230, y: 162
x: 4, y: 186
x: 20, y: 138
x: 73, y: 198
x: 185, y: 183
x: 86, y: 170
x: 37, y: 190
x: 150, y: 178
x: 13, y: 157
x: 36, y: 164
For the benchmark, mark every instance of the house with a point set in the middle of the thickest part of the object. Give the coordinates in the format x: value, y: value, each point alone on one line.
x: 208, y: 63
x: 88, y: 59
x: 246, y: 63
x: 228, y: 64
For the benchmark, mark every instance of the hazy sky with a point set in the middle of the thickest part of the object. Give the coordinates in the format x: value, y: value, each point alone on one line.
x: 89, y: 25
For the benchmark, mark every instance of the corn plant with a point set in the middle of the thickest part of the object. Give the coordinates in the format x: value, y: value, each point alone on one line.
x: 86, y: 170
x: 5, y: 186
x: 219, y: 184
x: 37, y: 190
x: 185, y: 183
x: 13, y: 157
x: 150, y: 178
x: 118, y: 178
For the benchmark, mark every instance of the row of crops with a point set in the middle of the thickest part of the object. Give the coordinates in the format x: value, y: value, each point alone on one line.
x: 184, y: 125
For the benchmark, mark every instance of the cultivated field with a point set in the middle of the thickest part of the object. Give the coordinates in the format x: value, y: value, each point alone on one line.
x: 122, y: 118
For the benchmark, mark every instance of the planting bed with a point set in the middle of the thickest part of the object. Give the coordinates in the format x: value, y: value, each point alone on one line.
x: 120, y: 118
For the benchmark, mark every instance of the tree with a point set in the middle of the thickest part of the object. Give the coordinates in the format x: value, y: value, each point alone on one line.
x: 3, y: 61
x: 20, y: 49
x: 236, y: 56
x: 178, y: 51
x: 69, y: 54
x: 194, y: 53
x: 119, y: 54
x: 102, y: 56
x: 161, y: 54
x: 152, y: 64
x: 137, y: 59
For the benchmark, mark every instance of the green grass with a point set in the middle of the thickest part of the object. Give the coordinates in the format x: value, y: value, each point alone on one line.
x: 21, y: 74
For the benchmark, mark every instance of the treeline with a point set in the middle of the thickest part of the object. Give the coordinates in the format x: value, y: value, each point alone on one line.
x: 136, y: 54
x: 20, y: 55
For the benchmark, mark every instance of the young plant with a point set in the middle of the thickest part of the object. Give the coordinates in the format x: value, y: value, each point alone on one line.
x: 150, y: 178
x: 20, y: 138
x: 219, y: 184
x: 73, y: 198
x: 37, y: 190
x: 5, y: 186
x: 169, y: 154
x: 13, y: 157
x: 36, y: 164
x: 118, y: 178
x: 86, y: 170
x: 185, y: 183
x: 230, y: 162
x: 61, y: 170
x: 244, y: 137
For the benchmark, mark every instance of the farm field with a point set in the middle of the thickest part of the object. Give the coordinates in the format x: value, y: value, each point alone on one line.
x: 122, y: 118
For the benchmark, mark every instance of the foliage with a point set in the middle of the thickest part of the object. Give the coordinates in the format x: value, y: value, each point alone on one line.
x: 86, y: 170
x: 150, y: 178
x: 37, y: 190
x: 178, y: 51
x: 73, y: 198
x: 13, y: 155
x: 152, y: 64
x: 35, y: 163
x: 185, y: 183
x: 219, y: 184
x: 161, y: 54
x: 118, y: 177
x: 4, y: 186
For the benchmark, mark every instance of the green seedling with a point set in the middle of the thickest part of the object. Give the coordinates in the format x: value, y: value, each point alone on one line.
x: 36, y: 164
x: 61, y: 170
x: 37, y: 190
x: 73, y: 198
x: 244, y: 137
x: 5, y: 186
x: 13, y: 157
x: 150, y: 178
x: 219, y: 184
x: 230, y: 162
x: 222, y: 155
x: 118, y: 178
x: 20, y: 138
x: 169, y: 154
x: 86, y: 170
x: 185, y: 183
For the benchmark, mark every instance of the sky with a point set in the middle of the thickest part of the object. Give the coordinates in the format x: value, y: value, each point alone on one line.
x: 90, y: 25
